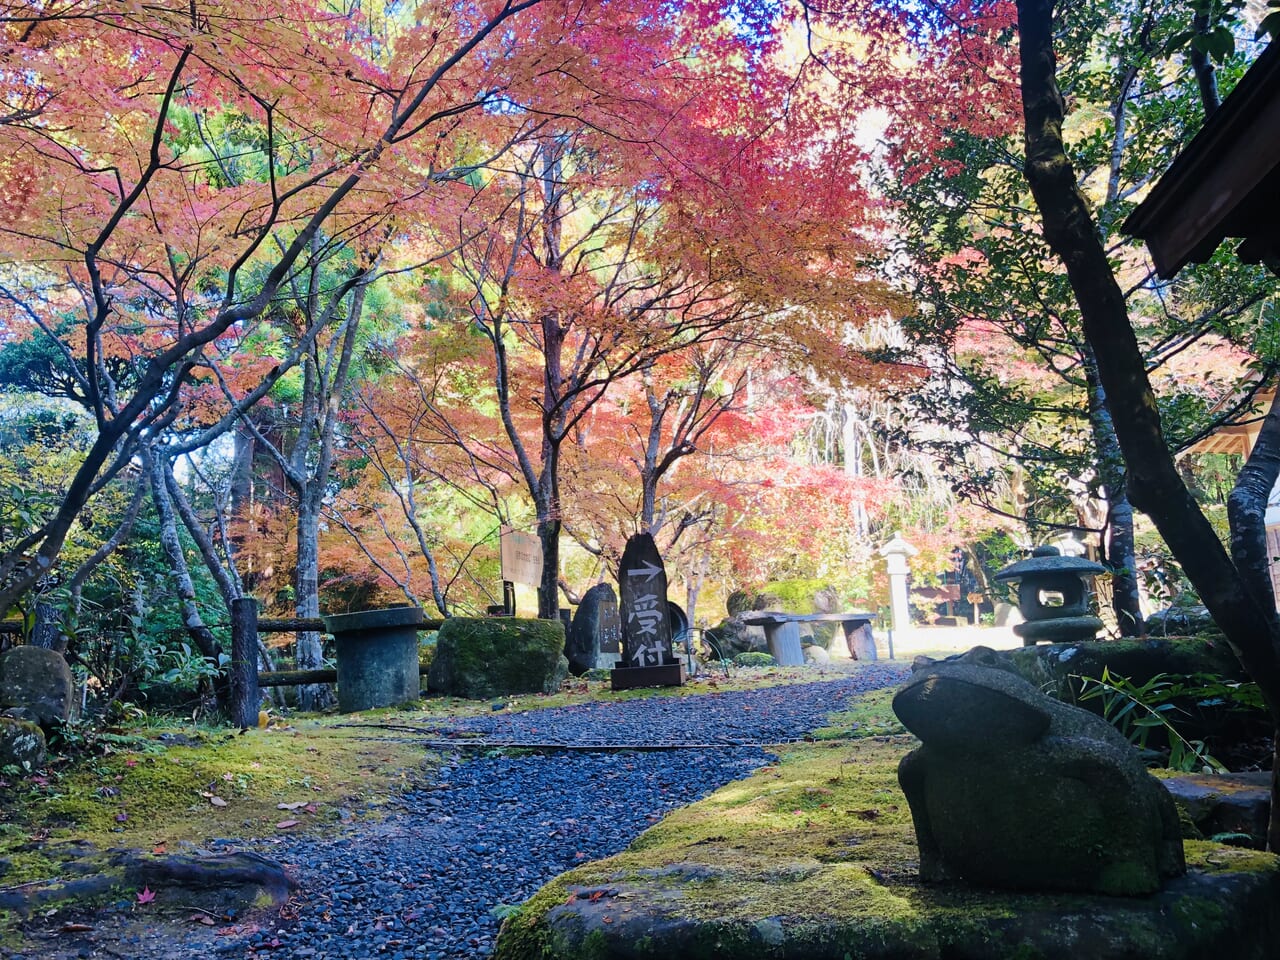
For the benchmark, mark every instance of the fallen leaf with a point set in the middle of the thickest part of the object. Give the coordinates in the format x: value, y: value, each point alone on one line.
x: 76, y: 928
x: 310, y: 808
x: 131, y: 762
x: 121, y: 817
x: 217, y: 801
x: 296, y: 805
x: 146, y: 895
x: 201, y: 918
x: 228, y: 777
x: 159, y: 848
x: 286, y: 824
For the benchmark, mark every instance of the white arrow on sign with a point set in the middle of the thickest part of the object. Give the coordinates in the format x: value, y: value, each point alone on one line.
x: 648, y: 570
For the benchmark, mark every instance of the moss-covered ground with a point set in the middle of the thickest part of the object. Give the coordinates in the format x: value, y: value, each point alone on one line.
x: 163, y: 788
x: 821, y: 841
x: 159, y: 785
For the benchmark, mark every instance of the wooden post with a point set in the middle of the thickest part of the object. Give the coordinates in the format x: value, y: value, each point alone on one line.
x: 245, y: 698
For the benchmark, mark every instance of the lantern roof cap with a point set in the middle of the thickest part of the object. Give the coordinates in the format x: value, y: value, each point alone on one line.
x: 1049, y: 559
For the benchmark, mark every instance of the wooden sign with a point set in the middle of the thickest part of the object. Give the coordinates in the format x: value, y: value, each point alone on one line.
x: 646, y: 621
x: 521, y: 557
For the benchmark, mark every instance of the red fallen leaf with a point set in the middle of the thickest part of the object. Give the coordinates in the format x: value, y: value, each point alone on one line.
x: 596, y: 896
x: 131, y: 762
x: 159, y: 849
x: 607, y: 919
x: 286, y: 824
x: 201, y: 918
x: 579, y: 855
x: 146, y: 895
x: 311, y: 808
x: 76, y: 928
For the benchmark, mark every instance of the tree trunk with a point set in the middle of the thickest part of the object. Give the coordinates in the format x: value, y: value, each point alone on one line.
x: 1251, y: 629
x: 549, y: 588
x: 1247, y: 510
x: 1121, y: 555
x: 310, y: 646
x: 243, y: 701
x: 241, y: 501
x: 203, y: 637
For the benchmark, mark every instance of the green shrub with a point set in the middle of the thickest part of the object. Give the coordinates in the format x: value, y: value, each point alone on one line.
x: 755, y: 659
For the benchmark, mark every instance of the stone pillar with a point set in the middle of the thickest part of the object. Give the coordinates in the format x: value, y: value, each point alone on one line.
x: 784, y: 643
x: 377, y: 654
x: 895, y: 553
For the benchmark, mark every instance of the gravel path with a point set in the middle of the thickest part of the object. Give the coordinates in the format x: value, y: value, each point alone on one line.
x: 491, y: 830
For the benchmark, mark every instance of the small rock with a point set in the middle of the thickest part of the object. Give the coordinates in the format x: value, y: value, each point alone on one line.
x: 22, y: 745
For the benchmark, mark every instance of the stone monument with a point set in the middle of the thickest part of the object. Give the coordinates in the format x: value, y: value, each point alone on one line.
x: 896, y: 553
x: 1013, y: 789
x: 595, y: 635
x: 647, y: 657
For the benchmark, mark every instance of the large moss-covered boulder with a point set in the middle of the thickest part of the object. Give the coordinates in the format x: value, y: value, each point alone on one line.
x: 39, y: 681
x: 732, y: 637
x: 483, y: 658
x: 1058, y: 666
x: 1013, y: 789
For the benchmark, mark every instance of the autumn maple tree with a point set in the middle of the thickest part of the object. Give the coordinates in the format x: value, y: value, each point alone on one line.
x: 724, y: 217
x: 134, y: 245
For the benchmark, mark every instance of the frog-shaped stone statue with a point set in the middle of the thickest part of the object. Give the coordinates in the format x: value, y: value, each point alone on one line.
x: 1013, y: 789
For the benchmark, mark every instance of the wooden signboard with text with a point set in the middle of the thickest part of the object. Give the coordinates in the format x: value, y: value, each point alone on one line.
x: 521, y: 557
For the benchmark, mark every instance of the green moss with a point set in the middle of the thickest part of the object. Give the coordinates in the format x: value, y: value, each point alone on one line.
x: 215, y: 783
x: 484, y: 658
x: 819, y: 847
x: 523, y: 932
x: 870, y: 715
x: 1208, y: 857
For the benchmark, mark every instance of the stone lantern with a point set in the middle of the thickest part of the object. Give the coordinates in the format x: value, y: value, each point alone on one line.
x: 896, y: 553
x: 1053, y: 596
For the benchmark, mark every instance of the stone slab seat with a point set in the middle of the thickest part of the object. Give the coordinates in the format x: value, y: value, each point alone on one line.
x: 782, y: 632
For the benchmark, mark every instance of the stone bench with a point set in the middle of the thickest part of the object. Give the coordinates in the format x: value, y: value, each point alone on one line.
x: 782, y: 633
